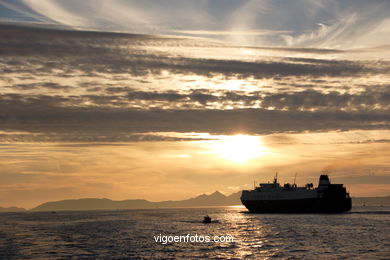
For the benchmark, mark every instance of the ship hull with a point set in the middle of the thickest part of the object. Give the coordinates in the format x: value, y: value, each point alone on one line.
x: 311, y: 205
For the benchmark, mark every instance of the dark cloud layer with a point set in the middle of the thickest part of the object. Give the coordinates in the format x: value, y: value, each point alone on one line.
x: 46, y: 115
x: 369, y: 99
x: 141, y: 64
x: 75, y: 112
x: 46, y: 85
x: 307, y: 100
x: 78, y: 51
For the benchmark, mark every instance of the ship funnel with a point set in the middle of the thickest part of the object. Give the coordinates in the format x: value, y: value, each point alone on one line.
x: 324, y: 181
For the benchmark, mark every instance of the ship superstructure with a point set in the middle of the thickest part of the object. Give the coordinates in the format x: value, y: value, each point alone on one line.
x: 289, y: 198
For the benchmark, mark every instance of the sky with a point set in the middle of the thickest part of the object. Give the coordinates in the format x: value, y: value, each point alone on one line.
x: 166, y: 100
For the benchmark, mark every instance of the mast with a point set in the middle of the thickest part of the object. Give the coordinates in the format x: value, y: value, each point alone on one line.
x: 276, y: 178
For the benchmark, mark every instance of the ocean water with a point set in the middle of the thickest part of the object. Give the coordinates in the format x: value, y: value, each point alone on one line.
x: 363, y: 233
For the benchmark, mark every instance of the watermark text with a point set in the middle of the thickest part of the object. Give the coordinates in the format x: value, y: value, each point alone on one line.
x: 166, y: 239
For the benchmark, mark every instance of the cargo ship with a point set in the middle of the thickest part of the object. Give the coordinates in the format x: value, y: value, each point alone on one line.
x: 289, y: 198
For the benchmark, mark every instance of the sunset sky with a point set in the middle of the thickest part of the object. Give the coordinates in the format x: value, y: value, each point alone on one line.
x: 166, y: 100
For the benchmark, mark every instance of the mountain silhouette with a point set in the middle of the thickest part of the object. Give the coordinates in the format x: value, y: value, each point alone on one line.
x: 12, y: 209
x: 204, y: 200
x: 214, y: 199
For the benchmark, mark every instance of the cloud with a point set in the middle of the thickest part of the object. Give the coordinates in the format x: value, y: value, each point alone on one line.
x: 92, y: 86
x: 320, y: 24
x: 45, y: 85
x: 370, y: 99
x: 214, y: 32
x: 70, y: 95
x: 54, y: 11
x: 330, y: 24
x: 43, y: 114
x: 325, y: 35
x: 106, y: 53
x: 15, y: 11
x: 118, y: 15
x: 315, y: 100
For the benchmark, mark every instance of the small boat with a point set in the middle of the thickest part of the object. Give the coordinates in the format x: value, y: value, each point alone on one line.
x: 206, y: 219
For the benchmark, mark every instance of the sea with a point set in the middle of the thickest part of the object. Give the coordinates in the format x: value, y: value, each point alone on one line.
x: 363, y: 233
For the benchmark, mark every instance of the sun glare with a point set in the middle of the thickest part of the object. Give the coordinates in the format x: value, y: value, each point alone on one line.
x: 238, y: 148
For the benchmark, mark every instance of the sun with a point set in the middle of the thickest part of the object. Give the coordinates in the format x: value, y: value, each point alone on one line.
x: 238, y: 148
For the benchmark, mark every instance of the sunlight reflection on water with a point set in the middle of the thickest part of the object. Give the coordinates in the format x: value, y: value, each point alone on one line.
x: 130, y: 234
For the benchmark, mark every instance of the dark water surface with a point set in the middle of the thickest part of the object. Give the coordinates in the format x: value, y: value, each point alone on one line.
x: 363, y: 233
